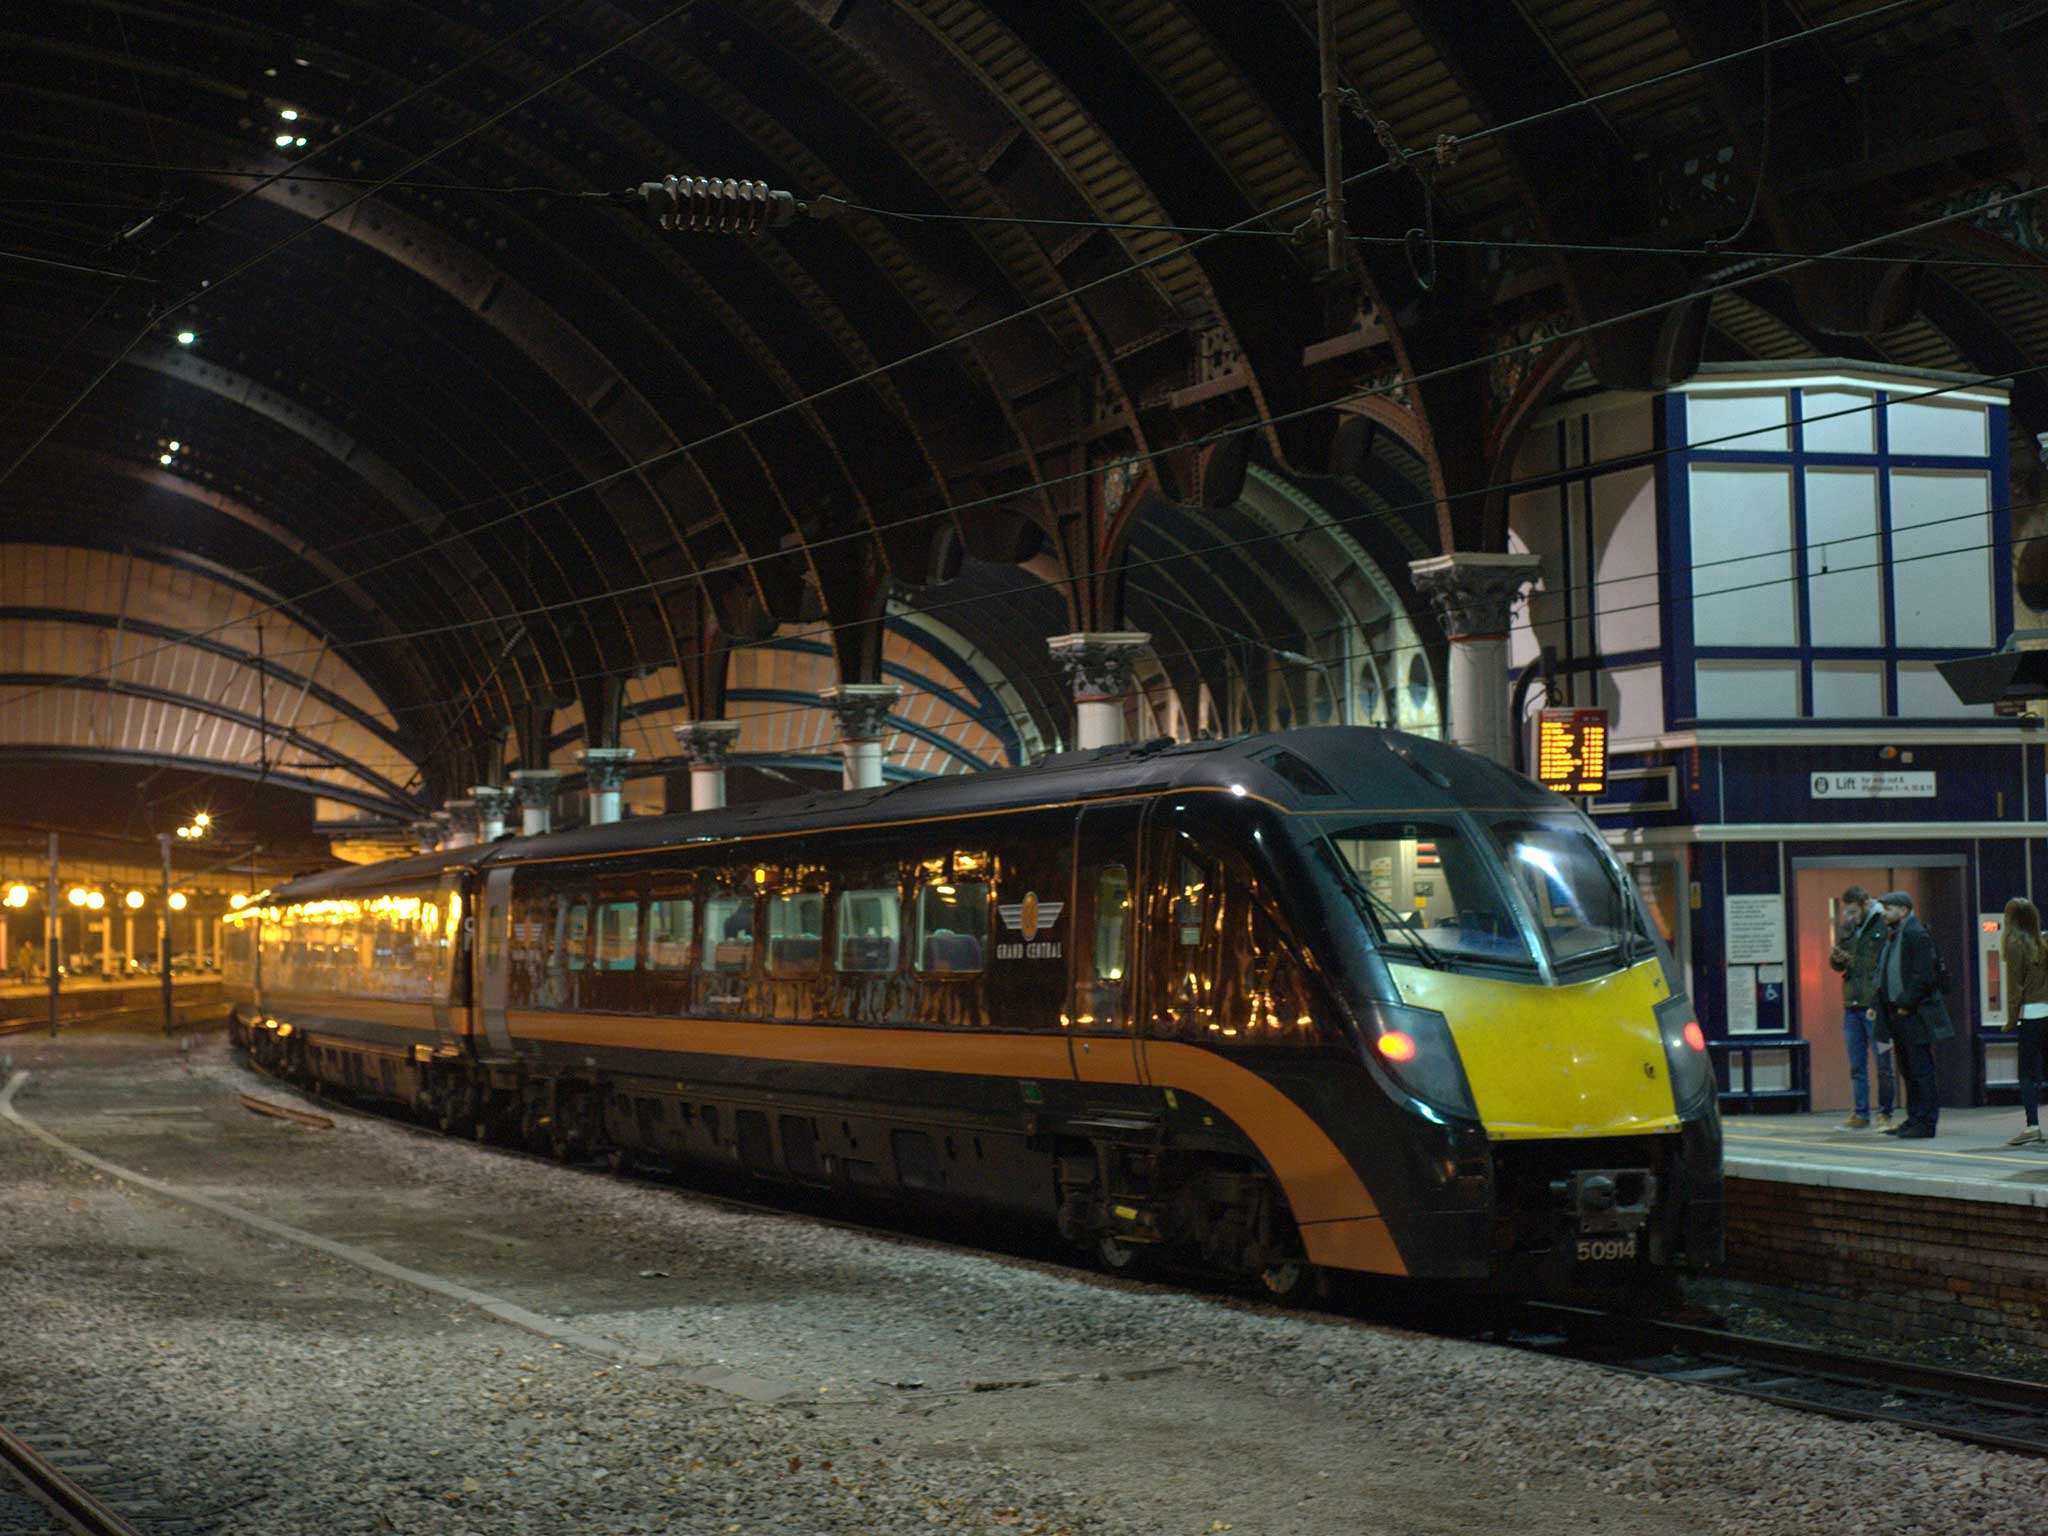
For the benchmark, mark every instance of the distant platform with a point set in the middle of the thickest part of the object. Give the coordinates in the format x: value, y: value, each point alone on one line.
x: 1968, y: 1160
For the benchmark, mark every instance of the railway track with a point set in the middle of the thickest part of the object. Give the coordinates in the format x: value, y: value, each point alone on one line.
x: 1990, y: 1411
x: 71, y: 1505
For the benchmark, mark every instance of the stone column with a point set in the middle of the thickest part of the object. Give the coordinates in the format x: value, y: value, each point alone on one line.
x: 705, y: 745
x: 427, y: 833
x: 492, y: 802
x: 862, y: 710
x: 127, y: 940
x: 1098, y: 666
x: 604, y: 781
x: 462, y: 824
x: 444, y: 830
x: 1472, y: 594
x: 107, y: 945
x: 535, y: 789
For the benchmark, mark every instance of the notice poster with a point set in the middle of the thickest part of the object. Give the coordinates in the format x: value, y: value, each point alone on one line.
x: 1755, y: 930
x: 1741, y: 999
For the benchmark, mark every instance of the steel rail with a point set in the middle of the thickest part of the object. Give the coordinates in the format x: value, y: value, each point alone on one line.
x: 1996, y: 1412
x: 73, y: 1505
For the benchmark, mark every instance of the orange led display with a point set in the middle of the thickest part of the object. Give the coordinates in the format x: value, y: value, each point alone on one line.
x: 1571, y: 750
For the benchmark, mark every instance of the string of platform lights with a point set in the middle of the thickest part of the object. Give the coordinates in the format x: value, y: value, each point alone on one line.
x: 1012, y: 494
x: 1067, y: 296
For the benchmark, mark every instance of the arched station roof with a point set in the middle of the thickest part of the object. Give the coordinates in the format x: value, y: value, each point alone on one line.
x: 517, y: 461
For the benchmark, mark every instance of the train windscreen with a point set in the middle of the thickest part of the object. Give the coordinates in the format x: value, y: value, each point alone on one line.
x: 1574, y: 890
x: 1435, y: 890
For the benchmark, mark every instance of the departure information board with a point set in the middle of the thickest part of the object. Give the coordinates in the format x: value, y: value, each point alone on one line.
x: 1571, y: 750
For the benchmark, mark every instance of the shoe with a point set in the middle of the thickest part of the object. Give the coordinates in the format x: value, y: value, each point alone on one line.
x: 2026, y: 1138
x: 1892, y: 1130
x: 1856, y: 1123
x: 1915, y: 1133
x: 1884, y: 1118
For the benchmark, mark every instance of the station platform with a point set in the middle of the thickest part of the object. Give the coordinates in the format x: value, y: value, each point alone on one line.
x: 1912, y: 1240
x: 1968, y: 1160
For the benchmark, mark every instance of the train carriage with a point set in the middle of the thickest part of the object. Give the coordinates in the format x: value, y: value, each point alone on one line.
x: 1332, y: 999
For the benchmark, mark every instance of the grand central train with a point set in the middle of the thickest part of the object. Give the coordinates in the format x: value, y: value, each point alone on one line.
x: 1322, y: 1000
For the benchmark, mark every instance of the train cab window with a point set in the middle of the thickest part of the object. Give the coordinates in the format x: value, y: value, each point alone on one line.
x: 572, y: 940
x: 1572, y: 888
x: 728, y: 934
x: 952, y: 927
x: 618, y: 936
x: 870, y: 930
x: 670, y: 927
x: 1112, y: 923
x: 796, y: 932
x: 1428, y: 892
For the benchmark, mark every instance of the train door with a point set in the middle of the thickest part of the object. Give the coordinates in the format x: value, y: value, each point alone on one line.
x: 494, y: 936
x: 452, y: 961
x: 1103, y: 1003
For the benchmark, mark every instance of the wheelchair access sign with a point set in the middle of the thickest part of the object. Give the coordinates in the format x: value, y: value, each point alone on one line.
x: 1873, y: 786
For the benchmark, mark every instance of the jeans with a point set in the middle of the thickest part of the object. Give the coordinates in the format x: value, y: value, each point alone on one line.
x: 2033, y: 1058
x: 1856, y: 1034
x: 1923, y: 1087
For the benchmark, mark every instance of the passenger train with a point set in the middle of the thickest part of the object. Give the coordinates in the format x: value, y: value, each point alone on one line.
x: 1322, y: 1000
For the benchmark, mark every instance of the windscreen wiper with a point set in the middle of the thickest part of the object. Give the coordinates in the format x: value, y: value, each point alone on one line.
x: 1380, y: 915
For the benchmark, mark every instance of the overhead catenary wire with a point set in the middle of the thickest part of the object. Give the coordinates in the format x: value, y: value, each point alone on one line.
x: 1068, y: 296
x: 1501, y: 487
x: 1240, y: 641
x: 1191, y: 652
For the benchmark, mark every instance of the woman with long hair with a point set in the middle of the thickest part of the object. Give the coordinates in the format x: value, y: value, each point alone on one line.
x: 2026, y: 1005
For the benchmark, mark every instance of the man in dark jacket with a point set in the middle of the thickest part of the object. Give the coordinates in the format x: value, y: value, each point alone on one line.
x: 1857, y: 949
x: 1910, y: 1004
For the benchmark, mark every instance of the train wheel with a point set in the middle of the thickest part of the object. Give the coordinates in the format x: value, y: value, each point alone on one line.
x: 1290, y: 1283
x: 1119, y: 1257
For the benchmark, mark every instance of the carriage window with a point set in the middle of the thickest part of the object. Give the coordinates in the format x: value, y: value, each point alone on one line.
x: 728, y: 933
x: 870, y: 930
x: 796, y: 932
x: 1112, y: 922
x: 669, y: 928
x: 952, y: 925
x: 618, y: 935
x: 573, y: 936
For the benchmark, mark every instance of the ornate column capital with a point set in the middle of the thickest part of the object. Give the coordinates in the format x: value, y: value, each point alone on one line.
x: 493, y: 803
x: 862, y: 709
x: 535, y: 787
x: 604, y: 768
x: 427, y: 833
x: 1473, y: 592
x: 1098, y: 664
x: 462, y: 821
x: 707, y: 743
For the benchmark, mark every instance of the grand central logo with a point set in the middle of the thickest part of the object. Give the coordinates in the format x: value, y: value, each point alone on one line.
x: 1030, y: 917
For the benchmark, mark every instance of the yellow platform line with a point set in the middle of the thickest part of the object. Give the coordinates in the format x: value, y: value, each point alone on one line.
x: 1914, y: 1150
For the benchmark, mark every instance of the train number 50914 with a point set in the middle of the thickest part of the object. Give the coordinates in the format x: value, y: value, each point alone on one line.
x: 1597, y: 1250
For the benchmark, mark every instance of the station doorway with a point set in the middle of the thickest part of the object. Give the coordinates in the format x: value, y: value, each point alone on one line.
x: 1936, y: 885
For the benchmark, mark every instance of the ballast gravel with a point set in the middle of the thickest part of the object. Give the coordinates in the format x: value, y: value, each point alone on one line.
x: 269, y: 1388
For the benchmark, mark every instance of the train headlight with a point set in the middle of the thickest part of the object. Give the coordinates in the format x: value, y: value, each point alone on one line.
x: 1413, y: 1046
x: 1693, y: 1086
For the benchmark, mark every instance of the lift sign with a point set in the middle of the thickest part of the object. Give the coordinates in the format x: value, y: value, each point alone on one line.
x: 1571, y: 750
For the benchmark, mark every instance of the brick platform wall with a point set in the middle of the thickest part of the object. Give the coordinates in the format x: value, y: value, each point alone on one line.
x: 1913, y: 1267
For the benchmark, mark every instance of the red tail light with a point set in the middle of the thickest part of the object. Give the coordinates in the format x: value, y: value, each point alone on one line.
x: 1695, y: 1036
x: 1396, y: 1046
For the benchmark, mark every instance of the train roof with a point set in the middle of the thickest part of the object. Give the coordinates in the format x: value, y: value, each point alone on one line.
x: 1324, y: 768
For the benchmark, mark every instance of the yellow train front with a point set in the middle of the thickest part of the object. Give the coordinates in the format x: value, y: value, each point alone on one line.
x: 1324, y: 1000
